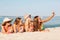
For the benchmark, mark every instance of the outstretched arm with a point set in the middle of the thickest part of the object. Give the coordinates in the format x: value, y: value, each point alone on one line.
x: 49, y: 18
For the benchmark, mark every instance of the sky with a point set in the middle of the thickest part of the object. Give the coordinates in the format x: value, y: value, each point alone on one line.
x: 33, y: 7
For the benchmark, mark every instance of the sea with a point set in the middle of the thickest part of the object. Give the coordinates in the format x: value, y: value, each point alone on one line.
x: 54, y: 22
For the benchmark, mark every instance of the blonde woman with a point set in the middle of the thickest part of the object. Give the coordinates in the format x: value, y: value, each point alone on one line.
x: 27, y: 21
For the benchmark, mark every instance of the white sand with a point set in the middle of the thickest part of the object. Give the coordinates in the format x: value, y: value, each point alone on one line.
x: 54, y: 34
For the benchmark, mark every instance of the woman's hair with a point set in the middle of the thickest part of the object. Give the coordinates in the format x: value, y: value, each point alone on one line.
x: 36, y: 19
x: 3, y: 24
x: 36, y: 22
x: 17, y: 20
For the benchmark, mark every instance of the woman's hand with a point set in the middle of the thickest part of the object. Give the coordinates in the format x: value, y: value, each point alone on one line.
x: 53, y: 14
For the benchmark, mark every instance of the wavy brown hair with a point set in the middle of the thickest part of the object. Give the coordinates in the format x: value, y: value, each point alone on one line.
x: 37, y: 24
x: 17, y: 20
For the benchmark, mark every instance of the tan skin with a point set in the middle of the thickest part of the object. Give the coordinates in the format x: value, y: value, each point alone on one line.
x: 40, y: 21
x: 20, y: 26
x: 49, y: 18
x: 10, y: 29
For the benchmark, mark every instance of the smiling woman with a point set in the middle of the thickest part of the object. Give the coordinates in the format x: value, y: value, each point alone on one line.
x: 6, y: 26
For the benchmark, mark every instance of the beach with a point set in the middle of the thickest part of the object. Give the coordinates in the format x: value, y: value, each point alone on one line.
x: 53, y: 26
x: 53, y: 34
x: 29, y: 20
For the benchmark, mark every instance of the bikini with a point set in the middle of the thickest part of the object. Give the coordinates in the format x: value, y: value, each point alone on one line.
x: 42, y: 28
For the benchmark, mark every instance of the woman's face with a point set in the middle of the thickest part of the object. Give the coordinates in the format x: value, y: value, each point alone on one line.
x: 31, y: 24
x: 20, y: 22
x: 39, y: 19
x: 8, y: 24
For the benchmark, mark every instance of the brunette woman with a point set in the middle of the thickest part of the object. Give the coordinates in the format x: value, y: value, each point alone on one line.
x: 38, y: 22
x: 18, y: 25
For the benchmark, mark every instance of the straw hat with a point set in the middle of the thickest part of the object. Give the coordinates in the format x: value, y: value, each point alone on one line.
x: 7, y: 19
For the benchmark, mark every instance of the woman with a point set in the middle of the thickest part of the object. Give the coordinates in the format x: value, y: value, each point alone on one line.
x: 27, y: 21
x: 31, y: 27
x: 7, y: 26
x: 18, y: 25
x: 38, y: 22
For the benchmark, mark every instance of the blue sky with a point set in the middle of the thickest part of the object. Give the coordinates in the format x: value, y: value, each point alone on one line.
x: 33, y: 7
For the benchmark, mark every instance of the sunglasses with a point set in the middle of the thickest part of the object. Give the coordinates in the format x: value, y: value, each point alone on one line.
x: 9, y: 25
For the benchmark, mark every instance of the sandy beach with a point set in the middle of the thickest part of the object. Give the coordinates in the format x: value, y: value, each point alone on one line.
x: 54, y: 34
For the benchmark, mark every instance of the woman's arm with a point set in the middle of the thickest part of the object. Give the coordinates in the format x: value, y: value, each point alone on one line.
x: 49, y: 18
x: 14, y: 28
x: 3, y: 30
x: 21, y: 29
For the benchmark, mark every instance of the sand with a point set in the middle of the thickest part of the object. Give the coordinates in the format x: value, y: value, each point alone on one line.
x: 54, y: 34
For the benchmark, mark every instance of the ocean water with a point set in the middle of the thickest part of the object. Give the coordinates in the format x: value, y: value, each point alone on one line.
x: 54, y: 22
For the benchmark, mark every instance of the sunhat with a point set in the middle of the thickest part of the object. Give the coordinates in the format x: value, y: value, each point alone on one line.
x: 7, y: 19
